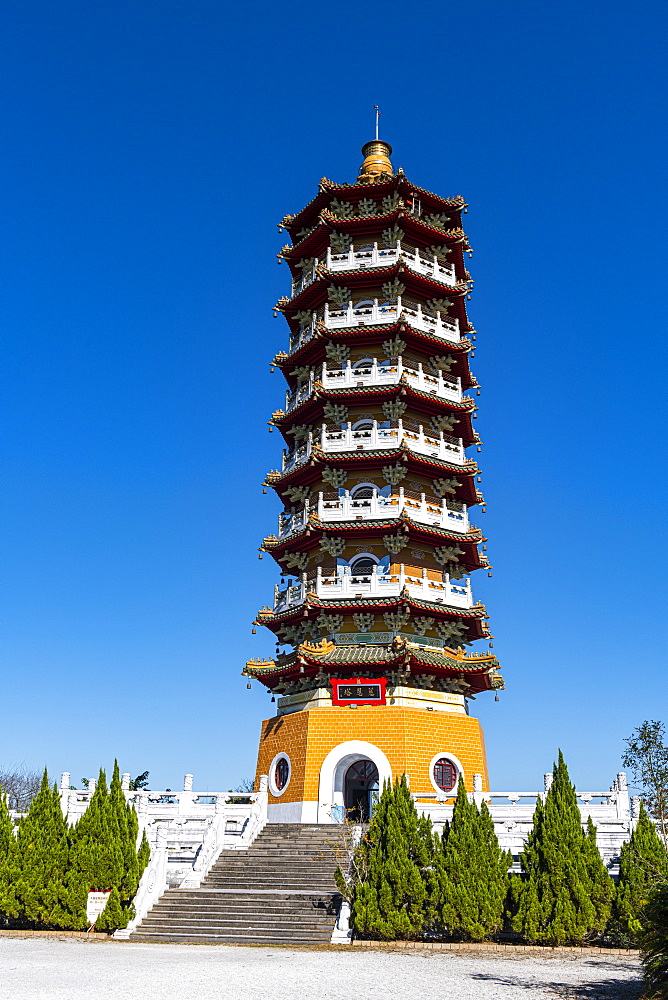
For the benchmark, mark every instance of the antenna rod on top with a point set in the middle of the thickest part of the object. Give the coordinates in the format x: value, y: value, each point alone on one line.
x: 377, y: 117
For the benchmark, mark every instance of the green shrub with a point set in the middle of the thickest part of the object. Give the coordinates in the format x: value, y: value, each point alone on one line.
x: 472, y: 873
x: 566, y: 893
x: 654, y: 942
x: 393, y: 902
x: 642, y: 864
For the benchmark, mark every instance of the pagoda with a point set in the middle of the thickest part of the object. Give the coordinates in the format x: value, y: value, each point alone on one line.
x: 374, y: 611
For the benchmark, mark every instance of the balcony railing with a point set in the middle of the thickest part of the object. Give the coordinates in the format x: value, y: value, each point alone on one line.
x: 454, y: 594
x: 378, y: 374
x: 298, y: 395
x: 299, y: 455
x: 391, y: 374
x: 375, y: 256
x: 375, y: 508
x: 289, y: 522
x: 375, y: 437
x: 372, y: 312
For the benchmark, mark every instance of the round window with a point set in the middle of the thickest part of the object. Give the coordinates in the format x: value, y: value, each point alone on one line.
x: 445, y: 774
x: 281, y: 773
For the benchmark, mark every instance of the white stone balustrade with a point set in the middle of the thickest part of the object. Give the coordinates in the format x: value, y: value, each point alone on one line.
x: 512, y: 813
x: 377, y: 583
x: 208, y: 822
x: 377, y: 437
x: 298, y: 395
x: 378, y: 257
x: 375, y: 256
x: 373, y: 312
x: 309, y: 275
x: 377, y: 507
x: 299, y: 454
x: 391, y: 374
x: 289, y: 522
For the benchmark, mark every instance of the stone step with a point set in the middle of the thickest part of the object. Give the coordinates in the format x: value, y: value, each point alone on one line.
x: 280, y: 891
x: 235, y: 926
x: 275, y: 940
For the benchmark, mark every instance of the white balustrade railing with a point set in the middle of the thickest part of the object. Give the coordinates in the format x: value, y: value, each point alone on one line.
x: 298, y: 395
x: 289, y: 522
x: 375, y: 256
x: 299, y: 454
x: 309, y: 274
x: 377, y: 583
x: 374, y: 312
x: 385, y: 373
x: 374, y: 508
x: 377, y: 437
x: 377, y: 507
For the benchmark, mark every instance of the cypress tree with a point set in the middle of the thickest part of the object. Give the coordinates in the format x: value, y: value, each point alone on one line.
x: 654, y: 942
x: 473, y: 873
x: 642, y: 864
x: 32, y: 875
x: 392, y: 903
x: 104, y: 854
x: 565, y: 896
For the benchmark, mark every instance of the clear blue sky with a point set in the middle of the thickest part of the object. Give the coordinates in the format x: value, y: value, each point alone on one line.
x: 148, y: 151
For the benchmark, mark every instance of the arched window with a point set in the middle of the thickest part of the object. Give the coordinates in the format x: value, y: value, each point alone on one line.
x: 445, y: 774
x: 281, y: 773
x: 364, y: 491
x: 362, y: 566
x: 365, y: 364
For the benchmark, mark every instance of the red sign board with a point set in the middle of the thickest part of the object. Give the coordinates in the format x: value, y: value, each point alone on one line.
x: 358, y: 690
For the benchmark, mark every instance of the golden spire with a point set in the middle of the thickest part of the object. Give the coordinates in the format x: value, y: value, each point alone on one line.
x: 376, y: 157
x: 376, y: 160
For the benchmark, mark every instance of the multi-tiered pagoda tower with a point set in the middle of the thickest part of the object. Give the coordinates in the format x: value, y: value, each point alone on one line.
x: 374, y: 544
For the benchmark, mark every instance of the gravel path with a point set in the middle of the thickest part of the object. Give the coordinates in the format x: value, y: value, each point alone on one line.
x: 41, y: 969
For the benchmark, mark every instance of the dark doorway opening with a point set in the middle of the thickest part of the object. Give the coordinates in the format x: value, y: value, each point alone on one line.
x: 360, y: 790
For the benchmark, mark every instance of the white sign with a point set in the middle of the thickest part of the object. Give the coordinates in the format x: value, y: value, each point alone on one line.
x: 95, y: 905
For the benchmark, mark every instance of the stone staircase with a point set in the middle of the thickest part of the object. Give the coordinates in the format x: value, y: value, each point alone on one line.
x: 281, y: 891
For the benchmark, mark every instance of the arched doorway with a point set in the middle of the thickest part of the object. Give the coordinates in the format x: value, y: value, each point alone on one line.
x: 360, y: 790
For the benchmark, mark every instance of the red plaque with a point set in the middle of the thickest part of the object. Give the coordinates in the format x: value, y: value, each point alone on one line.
x: 358, y: 690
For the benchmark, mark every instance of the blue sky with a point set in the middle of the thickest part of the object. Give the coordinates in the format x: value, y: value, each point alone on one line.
x: 148, y: 151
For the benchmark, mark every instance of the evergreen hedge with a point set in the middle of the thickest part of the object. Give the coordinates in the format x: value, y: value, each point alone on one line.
x: 48, y: 868
x: 397, y: 853
x: 643, y: 864
x: 566, y: 893
x: 654, y: 942
x: 472, y: 880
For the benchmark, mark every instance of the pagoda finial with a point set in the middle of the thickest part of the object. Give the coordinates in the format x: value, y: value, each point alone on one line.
x: 376, y: 157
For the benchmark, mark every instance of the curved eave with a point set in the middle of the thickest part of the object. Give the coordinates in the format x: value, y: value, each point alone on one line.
x: 309, y: 472
x: 399, y: 182
x: 311, y: 352
x: 314, y: 605
x: 310, y: 411
x: 425, y: 234
x: 365, y: 331
x: 307, y: 540
x: 480, y: 673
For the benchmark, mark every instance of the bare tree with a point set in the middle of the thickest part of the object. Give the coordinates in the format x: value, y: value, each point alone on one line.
x: 20, y: 785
